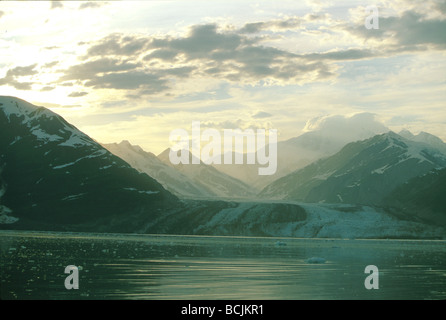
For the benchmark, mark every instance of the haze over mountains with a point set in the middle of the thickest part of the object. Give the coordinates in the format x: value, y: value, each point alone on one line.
x: 366, y: 182
x: 324, y: 137
x: 188, y: 181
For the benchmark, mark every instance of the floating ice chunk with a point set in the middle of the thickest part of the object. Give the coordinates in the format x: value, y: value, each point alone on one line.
x: 315, y: 260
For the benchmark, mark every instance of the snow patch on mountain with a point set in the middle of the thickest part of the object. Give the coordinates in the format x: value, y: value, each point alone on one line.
x: 11, y: 107
x: 42, y: 135
x: 96, y: 154
x: 73, y: 197
x: 32, y: 117
x: 75, y: 140
x: 381, y: 170
x: 142, y: 192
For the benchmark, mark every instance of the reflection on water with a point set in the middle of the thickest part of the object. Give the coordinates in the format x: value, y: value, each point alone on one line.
x: 190, y: 267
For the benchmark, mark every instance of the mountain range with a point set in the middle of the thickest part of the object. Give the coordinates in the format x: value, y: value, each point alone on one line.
x: 362, y: 172
x: 55, y: 177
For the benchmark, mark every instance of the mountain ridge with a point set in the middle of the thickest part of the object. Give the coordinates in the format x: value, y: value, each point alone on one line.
x: 357, y: 169
x: 55, y: 174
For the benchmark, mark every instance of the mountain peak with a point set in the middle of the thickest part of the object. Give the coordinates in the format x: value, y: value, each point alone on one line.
x: 125, y: 143
x: 15, y: 106
x: 52, y: 173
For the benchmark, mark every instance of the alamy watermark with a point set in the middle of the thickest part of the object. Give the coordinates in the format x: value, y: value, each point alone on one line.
x: 372, y: 20
x: 233, y: 140
x: 372, y: 280
x: 72, y: 281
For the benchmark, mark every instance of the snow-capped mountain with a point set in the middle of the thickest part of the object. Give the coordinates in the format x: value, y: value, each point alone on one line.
x: 205, y: 176
x: 53, y: 174
x: 425, y: 137
x: 362, y: 172
x: 171, y: 179
x: 324, y: 137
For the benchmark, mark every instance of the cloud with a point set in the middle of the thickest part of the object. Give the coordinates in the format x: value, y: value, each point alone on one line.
x: 77, y: 94
x: 22, y: 71
x: 360, y: 125
x: 151, y: 64
x: 17, y: 72
x: 200, y: 42
x: 340, y: 55
x: 129, y: 80
x: 162, y: 54
x: 144, y: 64
x: 119, y: 45
x: 273, y: 25
x: 234, y: 57
x: 49, y: 65
x: 262, y: 114
x: 17, y: 84
x: 92, y: 5
x: 409, y: 31
x: 47, y: 88
x: 56, y: 4
x: 90, y: 69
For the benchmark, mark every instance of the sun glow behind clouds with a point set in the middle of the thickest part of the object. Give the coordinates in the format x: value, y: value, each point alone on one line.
x: 135, y: 70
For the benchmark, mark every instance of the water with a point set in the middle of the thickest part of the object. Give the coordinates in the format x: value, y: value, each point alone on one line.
x: 230, y: 268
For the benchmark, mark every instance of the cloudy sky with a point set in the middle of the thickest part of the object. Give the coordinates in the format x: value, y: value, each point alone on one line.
x: 136, y: 70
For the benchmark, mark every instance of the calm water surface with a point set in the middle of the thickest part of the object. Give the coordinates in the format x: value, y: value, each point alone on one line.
x: 198, y: 267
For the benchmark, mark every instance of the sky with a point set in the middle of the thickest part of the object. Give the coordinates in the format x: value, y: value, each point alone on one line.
x: 136, y: 70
